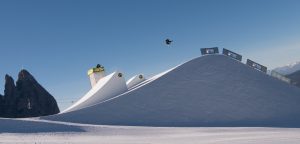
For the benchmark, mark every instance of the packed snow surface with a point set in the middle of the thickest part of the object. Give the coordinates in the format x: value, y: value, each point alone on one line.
x: 40, y: 132
x: 212, y: 90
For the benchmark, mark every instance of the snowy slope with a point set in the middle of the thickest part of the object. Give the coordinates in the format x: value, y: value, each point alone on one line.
x: 37, y: 132
x: 105, y: 88
x: 288, y: 69
x: 212, y: 90
x: 14, y: 125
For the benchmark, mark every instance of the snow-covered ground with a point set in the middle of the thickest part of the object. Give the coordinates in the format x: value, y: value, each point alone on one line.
x: 37, y: 131
x: 204, y: 93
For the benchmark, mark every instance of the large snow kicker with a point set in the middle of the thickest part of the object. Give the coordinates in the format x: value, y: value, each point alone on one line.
x: 212, y: 90
x: 105, y: 88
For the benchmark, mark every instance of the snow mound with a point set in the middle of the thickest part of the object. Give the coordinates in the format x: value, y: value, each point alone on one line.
x: 212, y: 90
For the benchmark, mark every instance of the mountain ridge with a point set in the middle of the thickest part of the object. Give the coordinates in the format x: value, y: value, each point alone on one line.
x: 288, y: 69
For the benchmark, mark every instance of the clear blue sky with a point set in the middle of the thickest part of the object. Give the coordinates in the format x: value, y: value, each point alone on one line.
x: 59, y: 40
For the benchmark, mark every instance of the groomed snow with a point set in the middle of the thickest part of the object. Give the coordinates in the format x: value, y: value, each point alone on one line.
x: 36, y: 131
x: 212, y: 90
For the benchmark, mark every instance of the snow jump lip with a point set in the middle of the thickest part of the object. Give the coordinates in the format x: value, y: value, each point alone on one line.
x: 212, y: 90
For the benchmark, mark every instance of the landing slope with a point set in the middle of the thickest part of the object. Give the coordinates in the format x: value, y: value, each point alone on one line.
x: 212, y: 90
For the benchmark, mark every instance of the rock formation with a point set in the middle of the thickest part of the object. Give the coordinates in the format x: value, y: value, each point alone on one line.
x: 10, y: 97
x: 1, y: 105
x: 27, y: 98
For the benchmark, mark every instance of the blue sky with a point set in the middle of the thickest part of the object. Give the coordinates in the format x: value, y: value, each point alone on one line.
x: 59, y: 40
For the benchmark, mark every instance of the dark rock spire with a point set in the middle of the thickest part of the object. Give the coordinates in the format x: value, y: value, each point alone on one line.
x: 34, y: 100
x: 27, y: 98
x: 10, y: 97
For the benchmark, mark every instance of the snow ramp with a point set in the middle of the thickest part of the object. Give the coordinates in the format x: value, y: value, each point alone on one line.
x: 107, y: 87
x: 212, y: 90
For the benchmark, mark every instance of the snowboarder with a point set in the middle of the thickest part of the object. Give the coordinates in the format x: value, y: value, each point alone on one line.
x: 168, y: 41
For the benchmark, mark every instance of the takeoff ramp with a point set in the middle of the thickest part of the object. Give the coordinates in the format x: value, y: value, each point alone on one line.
x: 105, y: 88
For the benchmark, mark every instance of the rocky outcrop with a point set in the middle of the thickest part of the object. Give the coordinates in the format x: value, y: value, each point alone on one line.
x: 10, y: 97
x: 1, y: 106
x: 27, y: 98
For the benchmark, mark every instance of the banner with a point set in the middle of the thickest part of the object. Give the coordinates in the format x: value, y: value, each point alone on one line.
x: 213, y: 50
x: 256, y: 66
x: 232, y: 54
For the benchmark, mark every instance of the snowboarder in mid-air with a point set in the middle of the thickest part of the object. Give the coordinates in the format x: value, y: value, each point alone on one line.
x: 168, y: 41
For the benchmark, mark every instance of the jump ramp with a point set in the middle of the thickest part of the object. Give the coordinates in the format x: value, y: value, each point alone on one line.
x: 105, y: 88
x: 212, y: 90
